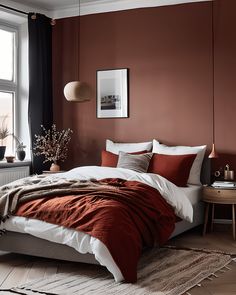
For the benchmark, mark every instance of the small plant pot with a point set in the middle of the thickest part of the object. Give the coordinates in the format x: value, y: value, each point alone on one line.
x: 2, y: 152
x: 20, y: 155
x: 10, y: 159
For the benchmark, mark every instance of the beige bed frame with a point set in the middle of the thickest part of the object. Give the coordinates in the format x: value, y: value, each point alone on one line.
x: 30, y: 245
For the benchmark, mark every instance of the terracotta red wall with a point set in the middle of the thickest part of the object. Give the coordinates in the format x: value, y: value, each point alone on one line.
x: 168, y: 53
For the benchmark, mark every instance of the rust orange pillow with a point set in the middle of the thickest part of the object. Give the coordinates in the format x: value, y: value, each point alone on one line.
x: 175, y: 168
x: 110, y: 160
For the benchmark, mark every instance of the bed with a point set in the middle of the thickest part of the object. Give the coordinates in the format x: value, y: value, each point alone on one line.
x: 39, y: 238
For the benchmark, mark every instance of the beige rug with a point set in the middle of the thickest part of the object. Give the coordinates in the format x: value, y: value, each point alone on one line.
x: 165, y: 271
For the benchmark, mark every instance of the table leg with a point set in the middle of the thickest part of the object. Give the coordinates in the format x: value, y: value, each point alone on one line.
x: 212, y: 216
x: 206, y: 218
x: 233, y: 220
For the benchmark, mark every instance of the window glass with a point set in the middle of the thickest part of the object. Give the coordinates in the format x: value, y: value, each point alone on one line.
x: 6, y: 118
x: 8, y: 84
x: 6, y: 55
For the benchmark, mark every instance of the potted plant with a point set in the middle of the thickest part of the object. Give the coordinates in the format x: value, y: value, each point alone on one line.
x: 4, y: 132
x: 20, y: 152
x: 53, y: 145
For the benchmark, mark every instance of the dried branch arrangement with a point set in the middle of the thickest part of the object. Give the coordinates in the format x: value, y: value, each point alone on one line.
x: 53, y: 144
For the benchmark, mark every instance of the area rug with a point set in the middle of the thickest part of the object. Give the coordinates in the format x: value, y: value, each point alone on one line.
x: 164, y: 271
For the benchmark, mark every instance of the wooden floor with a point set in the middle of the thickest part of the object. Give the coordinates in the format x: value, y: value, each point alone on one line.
x: 18, y: 269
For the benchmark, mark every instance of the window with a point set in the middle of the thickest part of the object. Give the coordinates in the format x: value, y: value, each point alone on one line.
x: 7, y: 55
x: 8, y: 81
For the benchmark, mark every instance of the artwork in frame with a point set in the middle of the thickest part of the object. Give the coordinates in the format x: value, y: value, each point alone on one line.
x: 112, y: 93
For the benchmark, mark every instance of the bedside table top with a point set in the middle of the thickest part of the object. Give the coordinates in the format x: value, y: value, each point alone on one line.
x: 219, y: 195
x: 53, y: 172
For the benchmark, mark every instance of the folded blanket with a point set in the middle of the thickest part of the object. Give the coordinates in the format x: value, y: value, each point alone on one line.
x: 125, y: 215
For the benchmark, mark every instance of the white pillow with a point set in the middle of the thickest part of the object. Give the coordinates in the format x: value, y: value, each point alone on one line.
x: 195, y: 172
x: 115, y: 148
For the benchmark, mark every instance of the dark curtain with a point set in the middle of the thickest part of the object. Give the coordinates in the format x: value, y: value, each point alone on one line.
x: 40, y: 81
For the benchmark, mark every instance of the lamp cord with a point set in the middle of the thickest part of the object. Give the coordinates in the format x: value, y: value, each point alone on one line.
x: 213, y: 72
x: 78, y: 44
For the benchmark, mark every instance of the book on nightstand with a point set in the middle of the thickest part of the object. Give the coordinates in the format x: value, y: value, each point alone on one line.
x: 224, y: 184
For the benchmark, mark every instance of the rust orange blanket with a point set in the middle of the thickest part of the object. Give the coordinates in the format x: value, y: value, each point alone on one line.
x: 125, y: 215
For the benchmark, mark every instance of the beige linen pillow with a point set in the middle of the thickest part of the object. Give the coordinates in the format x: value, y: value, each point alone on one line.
x: 138, y: 163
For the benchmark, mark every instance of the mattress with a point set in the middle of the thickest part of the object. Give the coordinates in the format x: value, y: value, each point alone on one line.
x: 193, y: 193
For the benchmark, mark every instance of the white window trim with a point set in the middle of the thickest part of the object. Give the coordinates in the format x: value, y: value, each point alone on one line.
x: 20, y: 84
x: 12, y: 86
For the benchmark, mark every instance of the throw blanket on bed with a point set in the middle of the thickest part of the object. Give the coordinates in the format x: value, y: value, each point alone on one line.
x: 124, y: 215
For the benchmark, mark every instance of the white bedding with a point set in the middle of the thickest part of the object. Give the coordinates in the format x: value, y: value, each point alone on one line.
x: 193, y: 193
x: 84, y: 243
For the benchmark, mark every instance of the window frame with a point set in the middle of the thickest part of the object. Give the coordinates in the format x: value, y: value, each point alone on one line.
x: 12, y: 86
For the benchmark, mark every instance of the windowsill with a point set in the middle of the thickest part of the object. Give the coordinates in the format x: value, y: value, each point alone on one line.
x: 16, y: 163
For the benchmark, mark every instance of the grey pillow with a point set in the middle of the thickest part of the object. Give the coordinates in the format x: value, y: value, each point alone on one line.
x: 138, y: 163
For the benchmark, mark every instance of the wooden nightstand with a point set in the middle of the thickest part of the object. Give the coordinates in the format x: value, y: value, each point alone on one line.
x: 214, y: 196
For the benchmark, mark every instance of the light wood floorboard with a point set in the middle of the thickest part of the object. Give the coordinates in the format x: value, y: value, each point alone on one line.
x: 18, y: 269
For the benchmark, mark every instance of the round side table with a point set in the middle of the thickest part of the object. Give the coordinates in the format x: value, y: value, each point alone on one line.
x: 212, y: 196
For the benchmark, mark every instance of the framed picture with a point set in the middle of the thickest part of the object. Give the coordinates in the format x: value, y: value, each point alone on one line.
x: 112, y: 93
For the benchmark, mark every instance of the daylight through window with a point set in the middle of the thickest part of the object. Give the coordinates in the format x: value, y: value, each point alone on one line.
x: 8, y: 84
x: 6, y: 55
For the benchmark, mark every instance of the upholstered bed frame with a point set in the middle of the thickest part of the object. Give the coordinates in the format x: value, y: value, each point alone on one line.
x: 30, y: 245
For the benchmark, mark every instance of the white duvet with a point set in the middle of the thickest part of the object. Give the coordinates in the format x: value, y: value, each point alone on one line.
x: 84, y: 243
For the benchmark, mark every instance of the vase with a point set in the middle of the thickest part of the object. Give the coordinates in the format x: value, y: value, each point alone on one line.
x: 54, y: 167
x: 20, y: 155
x: 2, y: 152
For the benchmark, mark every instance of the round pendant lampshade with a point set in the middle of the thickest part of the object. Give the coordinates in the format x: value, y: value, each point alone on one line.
x: 77, y: 91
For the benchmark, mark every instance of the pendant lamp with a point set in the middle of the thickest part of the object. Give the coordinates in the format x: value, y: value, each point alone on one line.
x: 77, y: 91
x: 213, y: 153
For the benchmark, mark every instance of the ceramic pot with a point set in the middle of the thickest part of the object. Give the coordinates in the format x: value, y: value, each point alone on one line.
x: 2, y: 152
x: 20, y: 155
x: 10, y: 159
x: 54, y: 167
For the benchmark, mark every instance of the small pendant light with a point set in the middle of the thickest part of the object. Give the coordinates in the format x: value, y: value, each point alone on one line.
x: 77, y: 91
x: 213, y: 153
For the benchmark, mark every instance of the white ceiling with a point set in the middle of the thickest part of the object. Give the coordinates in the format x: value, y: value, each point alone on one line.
x: 59, y: 4
x: 50, y: 4
x: 67, y: 8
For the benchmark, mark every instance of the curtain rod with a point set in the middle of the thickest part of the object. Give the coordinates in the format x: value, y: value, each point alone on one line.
x: 14, y: 9
x: 53, y: 22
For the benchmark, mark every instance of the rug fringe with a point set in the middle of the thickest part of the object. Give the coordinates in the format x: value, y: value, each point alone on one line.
x: 201, y: 250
